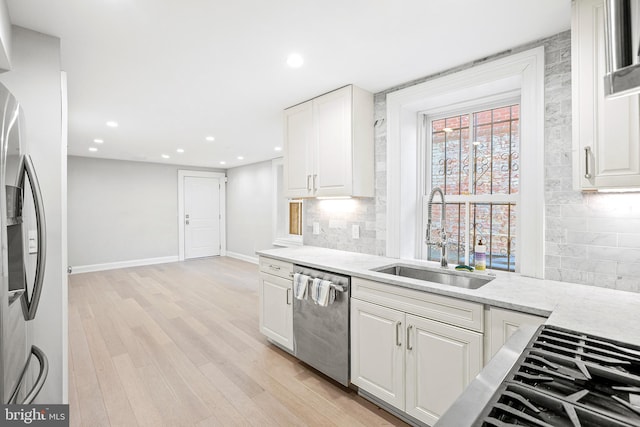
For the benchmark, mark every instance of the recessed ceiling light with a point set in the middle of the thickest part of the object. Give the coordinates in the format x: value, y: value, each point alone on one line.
x: 180, y: 150
x: 295, y: 60
x: 447, y: 130
x: 278, y: 148
x: 210, y: 138
x: 93, y: 149
x: 98, y: 141
x: 166, y: 156
x: 240, y: 158
x: 112, y: 124
x: 222, y: 162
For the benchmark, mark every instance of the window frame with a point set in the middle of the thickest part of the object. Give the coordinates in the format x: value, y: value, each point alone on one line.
x: 524, y: 71
x: 281, y: 236
x: 424, y: 172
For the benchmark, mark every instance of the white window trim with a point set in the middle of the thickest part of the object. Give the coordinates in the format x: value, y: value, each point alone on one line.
x: 280, y: 240
x: 425, y: 185
x: 522, y: 71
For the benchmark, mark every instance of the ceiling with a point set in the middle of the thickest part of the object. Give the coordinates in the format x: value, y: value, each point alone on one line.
x: 172, y: 72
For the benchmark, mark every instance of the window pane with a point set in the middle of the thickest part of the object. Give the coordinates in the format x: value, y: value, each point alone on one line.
x: 465, y: 143
x: 515, y: 154
x: 450, y: 154
x: 482, y: 160
x: 437, y: 158
x: 452, y: 165
x: 455, y: 229
x: 495, y: 224
x: 295, y: 218
x: 497, y: 151
x: 501, y: 170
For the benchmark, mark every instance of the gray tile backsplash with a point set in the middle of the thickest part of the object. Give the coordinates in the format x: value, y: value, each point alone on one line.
x: 590, y: 238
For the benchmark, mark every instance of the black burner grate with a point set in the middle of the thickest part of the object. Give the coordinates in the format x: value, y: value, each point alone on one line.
x: 566, y: 378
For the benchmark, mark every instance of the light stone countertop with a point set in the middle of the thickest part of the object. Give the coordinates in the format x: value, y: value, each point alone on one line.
x: 602, y: 312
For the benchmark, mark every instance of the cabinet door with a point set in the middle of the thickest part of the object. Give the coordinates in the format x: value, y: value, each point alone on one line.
x: 377, y: 351
x: 441, y: 361
x: 606, y: 132
x: 299, y: 141
x: 276, y: 309
x: 332, y: 113
x: 502, y: 324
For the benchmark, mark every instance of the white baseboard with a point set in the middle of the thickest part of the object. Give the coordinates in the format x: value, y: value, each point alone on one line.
x: 251, y: 259
x: 123, y: 264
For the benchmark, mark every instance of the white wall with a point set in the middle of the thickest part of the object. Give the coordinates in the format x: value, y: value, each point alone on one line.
x: 250, y: 209
x: 35, y: 82
x: 121, y: 210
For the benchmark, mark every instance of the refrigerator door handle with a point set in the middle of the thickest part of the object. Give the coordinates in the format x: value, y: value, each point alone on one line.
x: 30, y: 303
x: 42, y: 377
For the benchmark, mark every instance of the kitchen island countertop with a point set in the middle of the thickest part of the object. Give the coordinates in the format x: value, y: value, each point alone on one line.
x: 598, y: 311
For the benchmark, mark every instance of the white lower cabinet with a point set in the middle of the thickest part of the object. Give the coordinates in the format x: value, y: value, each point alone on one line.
x: 501, y: 324
x: 415, y: 364
x: 377, y: 351
x: 276, y: 301
x: 441, y: 360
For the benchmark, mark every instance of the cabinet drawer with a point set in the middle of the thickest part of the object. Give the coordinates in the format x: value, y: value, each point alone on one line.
x: 468, y: 315
x: 276, y: 267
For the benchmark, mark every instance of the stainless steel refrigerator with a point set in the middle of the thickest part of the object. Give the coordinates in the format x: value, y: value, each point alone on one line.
x: 23, y: 366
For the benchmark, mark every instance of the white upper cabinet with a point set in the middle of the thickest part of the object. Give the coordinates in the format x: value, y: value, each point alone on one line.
x: 606, y: 132
x: 298, y: 158
x: 328, y: 145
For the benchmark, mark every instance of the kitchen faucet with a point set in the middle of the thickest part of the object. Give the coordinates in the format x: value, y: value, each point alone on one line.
x: 442, y: 244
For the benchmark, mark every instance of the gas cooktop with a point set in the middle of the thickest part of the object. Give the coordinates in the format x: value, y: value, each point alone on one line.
x: 567, y: 378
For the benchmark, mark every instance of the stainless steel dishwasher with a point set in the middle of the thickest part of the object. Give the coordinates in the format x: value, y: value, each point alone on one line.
x: 321, y: 334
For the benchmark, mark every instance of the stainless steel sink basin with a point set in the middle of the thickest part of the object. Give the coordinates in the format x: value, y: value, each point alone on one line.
x: 458, y: 279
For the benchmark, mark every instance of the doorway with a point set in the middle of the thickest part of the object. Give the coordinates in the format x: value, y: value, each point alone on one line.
x: 201, y: 219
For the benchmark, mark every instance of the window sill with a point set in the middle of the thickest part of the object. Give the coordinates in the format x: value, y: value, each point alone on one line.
x: 288, y: 241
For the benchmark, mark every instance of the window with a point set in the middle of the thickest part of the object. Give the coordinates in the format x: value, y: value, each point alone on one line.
x: 474, y: 157
x: 295, y: 217
x: 521, y: 76
x: 287, y: 214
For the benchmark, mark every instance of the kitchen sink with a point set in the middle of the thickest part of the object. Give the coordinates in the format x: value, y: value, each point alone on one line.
x: 444, y: 277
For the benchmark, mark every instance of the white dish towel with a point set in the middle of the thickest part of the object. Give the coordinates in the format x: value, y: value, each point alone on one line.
x: 300, y: 285
x: 322, y: 293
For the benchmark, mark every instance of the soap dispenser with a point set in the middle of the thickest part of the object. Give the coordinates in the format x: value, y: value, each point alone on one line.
x: 480, y: 256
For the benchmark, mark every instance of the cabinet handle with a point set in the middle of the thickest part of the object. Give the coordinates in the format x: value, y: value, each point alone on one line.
x: 288, y: 296
x: 408, y: 337
x: 274, y: 267
x: 587, y: 151
x: 314, y: 182
x: 308, y: 182
x: 398, y: 326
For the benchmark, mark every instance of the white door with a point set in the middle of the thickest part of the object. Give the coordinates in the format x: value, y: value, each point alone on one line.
x: 377, y: 351
x: 201, y: 217
x: 441, y: 361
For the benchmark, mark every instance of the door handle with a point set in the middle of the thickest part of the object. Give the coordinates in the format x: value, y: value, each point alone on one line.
x: 409, y: 337
x: 587, y: 151
x: 42, y: 376
x: 398, y: 326
x: 30, y: 303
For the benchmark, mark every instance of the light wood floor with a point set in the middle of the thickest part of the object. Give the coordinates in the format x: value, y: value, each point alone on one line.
x: 178, y: 345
